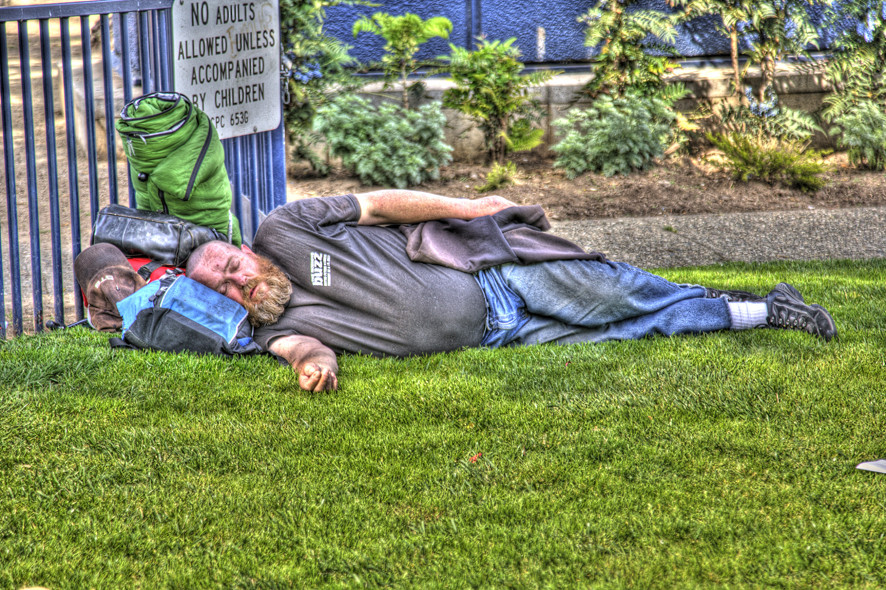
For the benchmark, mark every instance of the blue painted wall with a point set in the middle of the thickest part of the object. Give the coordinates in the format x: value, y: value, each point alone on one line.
x: 503, y: 19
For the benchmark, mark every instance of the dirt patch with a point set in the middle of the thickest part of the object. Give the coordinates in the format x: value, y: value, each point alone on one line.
x: 676, y: 186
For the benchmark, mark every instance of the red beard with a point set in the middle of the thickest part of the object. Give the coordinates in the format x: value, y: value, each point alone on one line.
x: 269, y: 304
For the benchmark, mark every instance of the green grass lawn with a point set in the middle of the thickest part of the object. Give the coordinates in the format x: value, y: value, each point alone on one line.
x: 719, y: 460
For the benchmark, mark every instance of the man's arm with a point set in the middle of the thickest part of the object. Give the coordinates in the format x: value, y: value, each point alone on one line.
x: 405, y: 206
x: 314, y: 363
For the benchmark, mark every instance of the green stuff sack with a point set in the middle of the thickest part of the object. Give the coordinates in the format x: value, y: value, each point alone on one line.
x: 177, y: 162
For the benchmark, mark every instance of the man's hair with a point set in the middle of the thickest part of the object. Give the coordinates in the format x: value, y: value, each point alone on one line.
x: 196, y: 257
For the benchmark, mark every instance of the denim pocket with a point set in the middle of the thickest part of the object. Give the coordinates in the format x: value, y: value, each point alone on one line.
x: 505, y: 310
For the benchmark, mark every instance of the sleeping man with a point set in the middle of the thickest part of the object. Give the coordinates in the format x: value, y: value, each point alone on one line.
x: 399, y: 273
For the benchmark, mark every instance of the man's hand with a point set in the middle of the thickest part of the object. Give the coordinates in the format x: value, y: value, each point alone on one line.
x: 313, y: 362
x: 314, y: 377
x: 405, y: 206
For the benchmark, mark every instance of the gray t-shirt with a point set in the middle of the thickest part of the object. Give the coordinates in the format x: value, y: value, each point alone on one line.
x: 355, y: 289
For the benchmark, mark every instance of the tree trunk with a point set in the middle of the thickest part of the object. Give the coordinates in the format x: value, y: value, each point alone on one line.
x: 501, y: 141
x: 405, y: 97
x: 767, y: 68
x: 736, y: 72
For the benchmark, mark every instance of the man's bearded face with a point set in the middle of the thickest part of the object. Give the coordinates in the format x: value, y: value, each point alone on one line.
x: 267, y: 304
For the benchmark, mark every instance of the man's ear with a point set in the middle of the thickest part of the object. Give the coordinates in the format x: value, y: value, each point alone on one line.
x: 246, y: 249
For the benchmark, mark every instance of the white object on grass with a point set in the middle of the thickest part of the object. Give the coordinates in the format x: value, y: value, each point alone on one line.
x: 875, y: 466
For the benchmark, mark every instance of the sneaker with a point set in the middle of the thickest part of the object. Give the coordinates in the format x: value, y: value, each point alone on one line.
x: 733, y: 295
x: 789, y: 290
x: 787, y: 310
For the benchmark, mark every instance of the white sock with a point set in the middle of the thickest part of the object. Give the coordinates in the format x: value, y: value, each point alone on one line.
x: 747, y: 314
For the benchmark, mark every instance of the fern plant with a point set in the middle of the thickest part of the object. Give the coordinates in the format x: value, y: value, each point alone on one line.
x: 635, y: 50
x: 385, y: 145
x: 403, y: 36
x: 614, y: 135
x: 766, y: 32
x: 767, y: 117
x: 856, y: 69
x: 769, y: 159
x: 862, y: 131
x: 490, y: 88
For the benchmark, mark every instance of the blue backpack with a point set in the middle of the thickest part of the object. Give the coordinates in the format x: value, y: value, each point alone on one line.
x: 177, y: 314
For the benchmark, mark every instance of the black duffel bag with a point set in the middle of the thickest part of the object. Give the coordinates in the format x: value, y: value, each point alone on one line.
x: 161, y: 237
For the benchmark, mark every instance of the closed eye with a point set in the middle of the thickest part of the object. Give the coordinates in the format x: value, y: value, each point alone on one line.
x: 232, y: 265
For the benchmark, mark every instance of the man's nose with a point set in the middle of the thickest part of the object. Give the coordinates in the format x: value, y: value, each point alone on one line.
x: 238, y: 279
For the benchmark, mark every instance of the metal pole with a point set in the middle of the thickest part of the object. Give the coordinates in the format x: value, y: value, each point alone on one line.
x: 55, y: 234
x: 71, y: 139
x: 31, y: 173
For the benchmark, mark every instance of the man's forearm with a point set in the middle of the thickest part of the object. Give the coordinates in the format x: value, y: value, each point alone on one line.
x: 405, y: 206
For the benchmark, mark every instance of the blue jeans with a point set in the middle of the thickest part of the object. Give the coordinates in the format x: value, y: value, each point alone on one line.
x: 567, y: 301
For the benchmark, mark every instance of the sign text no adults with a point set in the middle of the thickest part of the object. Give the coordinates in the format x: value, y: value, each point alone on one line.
x: 227, y: 61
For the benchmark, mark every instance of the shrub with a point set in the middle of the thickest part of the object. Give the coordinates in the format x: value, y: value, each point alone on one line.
x: 856, y: 68
x: 767, y: 32
x: 769, y: 159
x: 863, y: 133
x: 403, y: 36
x: 498, y: 176
x: 314, y: 68
x: 614, y: 135
x: 385, y: 145
x: 489, y: 87
x: 766, y: 117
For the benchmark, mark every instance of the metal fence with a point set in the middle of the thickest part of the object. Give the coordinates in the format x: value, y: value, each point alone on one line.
x: 60, y: 153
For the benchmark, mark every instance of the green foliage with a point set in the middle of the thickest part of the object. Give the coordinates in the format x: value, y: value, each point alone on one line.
x: 772, y: 160
x: 498, y: 176
x: 490, y: 88
x: 315, y: 69
x: 773, y: 30
x: 385, y: 145
x: 856, y: 68
x: 614, y: 135
x: 779, y: 29
x: 863, y: 133
x: 403, y: 35
x: 766, y: 118
x: 522, y: 136
x: 634, y: 49
x: 733, y: 14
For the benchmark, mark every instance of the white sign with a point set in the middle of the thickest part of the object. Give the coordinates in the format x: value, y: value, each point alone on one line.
x: 227, y: 61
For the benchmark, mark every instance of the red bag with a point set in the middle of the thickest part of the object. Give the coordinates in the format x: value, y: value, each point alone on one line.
x: 151, y: 270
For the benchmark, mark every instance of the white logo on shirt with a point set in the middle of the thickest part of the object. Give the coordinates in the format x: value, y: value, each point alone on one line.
x: 320, y: 269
